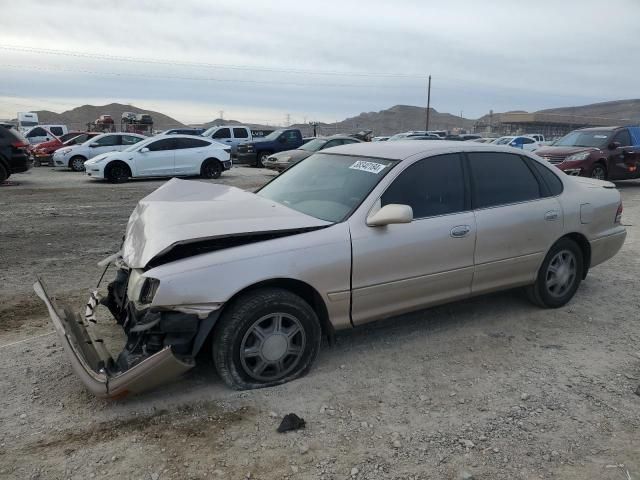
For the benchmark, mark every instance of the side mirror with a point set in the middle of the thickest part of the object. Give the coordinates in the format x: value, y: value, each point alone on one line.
x: 93, y: 145
x: 391, y: 214
x: 144, y: 150
x: 614, y: 145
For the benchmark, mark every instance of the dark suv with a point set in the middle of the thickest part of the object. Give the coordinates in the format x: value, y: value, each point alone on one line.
x: 13, y: 153
x: 606, y: 153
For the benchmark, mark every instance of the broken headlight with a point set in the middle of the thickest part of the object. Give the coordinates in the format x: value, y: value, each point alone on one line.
x: 149, y: 289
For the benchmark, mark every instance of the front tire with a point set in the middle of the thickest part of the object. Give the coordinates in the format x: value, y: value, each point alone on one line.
x: 117, y: 172
x: 211, y: 168
x: 559, y: 276
x: 261, y: 158
x: 599, y: 172
x: 77, y: 163
x: 266, y: 337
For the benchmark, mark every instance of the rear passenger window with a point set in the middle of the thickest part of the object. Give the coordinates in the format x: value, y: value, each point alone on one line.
x: 165, y: 144
x: 554, y: 184
x: 433, y: 186
x: 190, y: 143
x: 240, y: 133
x: 57, y: 131
x: 501, y: 179
x: 222, y: 133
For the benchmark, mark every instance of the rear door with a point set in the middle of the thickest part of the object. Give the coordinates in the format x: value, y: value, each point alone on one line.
x: 158, y: 161
x: 241, y: 135
x: 517, y: 219
x: 189, y: 155
x: 399, y: 268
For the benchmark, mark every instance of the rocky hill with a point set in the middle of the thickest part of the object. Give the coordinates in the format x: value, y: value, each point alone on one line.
x: 617, y: 109
x: 78, y: 117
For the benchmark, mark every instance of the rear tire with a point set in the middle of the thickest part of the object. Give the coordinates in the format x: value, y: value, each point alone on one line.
x: 211, y: 168
x: 559, y: 276
x: 117, y: 172
x: 264, y: 338
x: 4, y: 173
x: 77, y: 163
x: 599, y: 171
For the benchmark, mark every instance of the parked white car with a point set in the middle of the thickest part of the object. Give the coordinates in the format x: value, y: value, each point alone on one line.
x: 163, y: 156
x: 521, y: 141
x: 75, y: 157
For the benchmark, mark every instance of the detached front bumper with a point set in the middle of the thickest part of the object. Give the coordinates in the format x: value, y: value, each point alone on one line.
x: 95, y: 366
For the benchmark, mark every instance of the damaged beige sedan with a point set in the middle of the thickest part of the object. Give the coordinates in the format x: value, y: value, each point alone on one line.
x: 351, y: 235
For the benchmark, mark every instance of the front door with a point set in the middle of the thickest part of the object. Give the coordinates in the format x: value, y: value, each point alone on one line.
x: 399, y: 268
x: 517, y: 218
x: 158, y: 161
x: 108, y: 143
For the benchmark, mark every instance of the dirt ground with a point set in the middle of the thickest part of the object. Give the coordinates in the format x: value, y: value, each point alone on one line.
x: 490, y: 388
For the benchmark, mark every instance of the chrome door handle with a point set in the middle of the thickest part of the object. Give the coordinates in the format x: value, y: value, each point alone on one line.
x: 551, y: 215
x: 460, y: 231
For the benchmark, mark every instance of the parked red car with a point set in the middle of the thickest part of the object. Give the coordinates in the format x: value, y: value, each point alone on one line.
x: 42, y: 152
x: 605, y: 153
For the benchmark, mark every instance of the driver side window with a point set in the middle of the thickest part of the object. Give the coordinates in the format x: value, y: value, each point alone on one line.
x: 433, y: 186
x: 164, y: 144
x: 108, y: 141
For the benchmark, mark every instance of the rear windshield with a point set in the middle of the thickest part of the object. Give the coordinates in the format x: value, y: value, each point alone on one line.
x: 325, y: 186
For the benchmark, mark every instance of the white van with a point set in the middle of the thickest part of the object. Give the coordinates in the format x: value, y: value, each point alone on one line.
x: 44, y: 133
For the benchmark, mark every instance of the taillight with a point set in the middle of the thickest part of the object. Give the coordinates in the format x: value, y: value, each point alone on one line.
x: 19, y: 144
x: 619, y: 214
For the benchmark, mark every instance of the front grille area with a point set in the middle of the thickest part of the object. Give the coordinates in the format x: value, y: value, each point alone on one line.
x: 554, y: 158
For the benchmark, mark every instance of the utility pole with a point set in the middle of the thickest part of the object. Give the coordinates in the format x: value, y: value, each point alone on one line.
x: 288, y: 123
x: 428, y: 103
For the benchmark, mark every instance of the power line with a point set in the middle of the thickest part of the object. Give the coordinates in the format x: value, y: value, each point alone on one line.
x: 205, y: 79
x: 102, y: 56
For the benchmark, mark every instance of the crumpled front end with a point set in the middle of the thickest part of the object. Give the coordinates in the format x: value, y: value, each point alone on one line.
x: 160, y: 345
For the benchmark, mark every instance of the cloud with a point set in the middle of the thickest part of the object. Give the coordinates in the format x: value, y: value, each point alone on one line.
x: 503, y: 56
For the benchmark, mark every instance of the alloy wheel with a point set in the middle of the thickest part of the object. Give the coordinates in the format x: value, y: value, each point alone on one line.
x: 272, y: 347
x: 561, y: 273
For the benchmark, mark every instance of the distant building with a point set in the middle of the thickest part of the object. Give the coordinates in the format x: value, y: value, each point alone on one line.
x: 549, y: 124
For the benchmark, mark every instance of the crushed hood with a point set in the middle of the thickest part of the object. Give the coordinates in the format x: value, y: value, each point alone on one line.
x: 183, y: 211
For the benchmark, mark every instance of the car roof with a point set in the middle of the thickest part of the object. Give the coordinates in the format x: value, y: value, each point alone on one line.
x: 404, y: 149
x: 595, y: 129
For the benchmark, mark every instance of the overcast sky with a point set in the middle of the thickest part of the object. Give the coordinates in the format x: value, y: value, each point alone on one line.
x: 259, y: 61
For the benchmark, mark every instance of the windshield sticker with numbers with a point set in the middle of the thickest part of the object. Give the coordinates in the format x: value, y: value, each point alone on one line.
x: 370, y: 167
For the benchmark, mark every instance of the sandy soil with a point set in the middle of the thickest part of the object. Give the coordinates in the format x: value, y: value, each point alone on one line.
x: 490, y: 388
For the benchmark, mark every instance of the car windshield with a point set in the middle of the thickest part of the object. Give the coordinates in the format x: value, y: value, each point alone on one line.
x: 398, y: 136
x: 593, y: 138
x: 325, y: 186
x: 503, y: 140
x: 314, y: 145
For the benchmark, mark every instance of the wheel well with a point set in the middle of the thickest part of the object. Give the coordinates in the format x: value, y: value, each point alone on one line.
x: 114, y: 162
x: 304, y: 291
x: 209, y: 159
x: 585, y: 246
